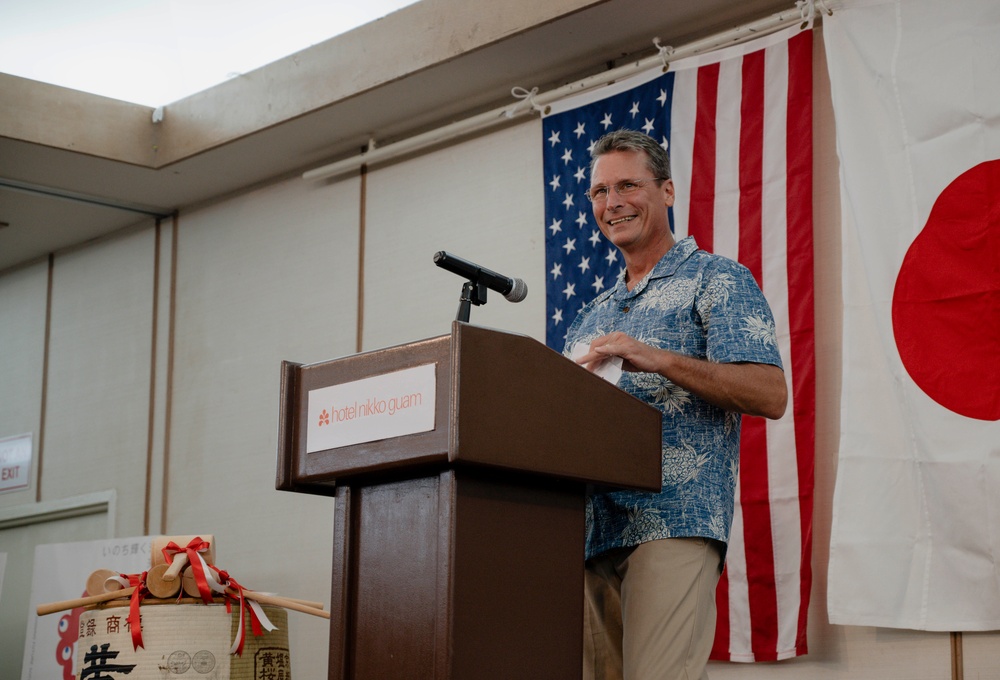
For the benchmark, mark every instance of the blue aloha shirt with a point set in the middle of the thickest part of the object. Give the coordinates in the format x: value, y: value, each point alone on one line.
x: 701, y: 305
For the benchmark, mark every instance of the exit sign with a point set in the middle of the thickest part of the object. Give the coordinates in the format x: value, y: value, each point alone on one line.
x: 15, y: 462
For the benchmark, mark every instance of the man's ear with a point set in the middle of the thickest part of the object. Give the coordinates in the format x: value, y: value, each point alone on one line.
x: 668, y: 189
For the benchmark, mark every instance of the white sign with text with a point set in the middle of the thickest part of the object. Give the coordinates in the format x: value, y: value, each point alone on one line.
x: 380, y: 407
x: 60, y: 573
x: 15, y: 462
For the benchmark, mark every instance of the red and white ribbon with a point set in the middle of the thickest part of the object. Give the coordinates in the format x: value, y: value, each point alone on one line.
x: 199, y: 567
x: 134, y: 618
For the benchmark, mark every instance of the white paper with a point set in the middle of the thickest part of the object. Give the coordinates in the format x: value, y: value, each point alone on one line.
x: 610, y: 369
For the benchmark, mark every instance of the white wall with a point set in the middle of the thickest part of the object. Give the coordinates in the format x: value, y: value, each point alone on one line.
x: 97, y: 414
x: 22, y: 358
x: 479, y: 200
x: 261, y: 278
x: 173, y: 372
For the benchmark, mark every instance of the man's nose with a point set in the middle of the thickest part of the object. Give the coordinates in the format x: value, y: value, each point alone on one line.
x: 615, y: 199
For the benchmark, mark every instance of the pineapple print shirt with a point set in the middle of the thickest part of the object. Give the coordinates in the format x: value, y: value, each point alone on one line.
x: 701, y: 305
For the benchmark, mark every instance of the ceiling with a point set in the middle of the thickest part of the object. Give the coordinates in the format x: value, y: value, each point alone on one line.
x: 54, y: 197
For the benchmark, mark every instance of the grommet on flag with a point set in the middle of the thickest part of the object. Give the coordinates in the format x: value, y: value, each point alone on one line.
x: 807, y: 10
x: 665, y: 52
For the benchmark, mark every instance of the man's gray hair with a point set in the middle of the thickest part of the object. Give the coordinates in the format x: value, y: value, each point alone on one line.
x: 657, y: 159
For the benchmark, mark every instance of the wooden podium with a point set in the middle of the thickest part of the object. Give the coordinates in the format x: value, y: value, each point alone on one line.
x: 458, y: 551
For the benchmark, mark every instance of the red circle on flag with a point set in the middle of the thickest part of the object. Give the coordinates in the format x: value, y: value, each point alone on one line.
x: 946, y: 304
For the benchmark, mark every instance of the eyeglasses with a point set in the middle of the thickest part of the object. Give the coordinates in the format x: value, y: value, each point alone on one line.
x: 599, y: 194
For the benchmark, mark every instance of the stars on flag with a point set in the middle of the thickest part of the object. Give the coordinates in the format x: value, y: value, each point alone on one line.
x: 581, y: 263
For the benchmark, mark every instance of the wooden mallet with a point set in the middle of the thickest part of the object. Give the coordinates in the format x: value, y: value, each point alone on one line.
x: 180, y: 559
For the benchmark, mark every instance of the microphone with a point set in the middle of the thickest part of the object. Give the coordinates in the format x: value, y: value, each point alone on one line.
x: 514, y: 290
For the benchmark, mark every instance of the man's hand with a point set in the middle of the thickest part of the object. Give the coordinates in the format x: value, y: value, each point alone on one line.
x: 636, y: 356
x: 754, y: 389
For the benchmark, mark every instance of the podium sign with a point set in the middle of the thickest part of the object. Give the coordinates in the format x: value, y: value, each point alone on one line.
x: 379, y: 407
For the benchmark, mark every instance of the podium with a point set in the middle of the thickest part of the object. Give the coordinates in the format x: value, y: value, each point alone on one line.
x: 459, y: 538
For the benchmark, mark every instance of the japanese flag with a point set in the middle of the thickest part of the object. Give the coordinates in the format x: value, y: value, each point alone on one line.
x: 916, y: 517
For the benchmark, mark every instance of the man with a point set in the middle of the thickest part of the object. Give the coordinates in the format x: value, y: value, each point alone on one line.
x: 696, y: 339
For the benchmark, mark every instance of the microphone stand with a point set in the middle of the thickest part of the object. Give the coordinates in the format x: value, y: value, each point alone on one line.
x: 473, y: 293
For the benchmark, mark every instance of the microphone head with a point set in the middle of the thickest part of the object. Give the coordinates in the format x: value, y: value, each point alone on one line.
x: 518, y: 291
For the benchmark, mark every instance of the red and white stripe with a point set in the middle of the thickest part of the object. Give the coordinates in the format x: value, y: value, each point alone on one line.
x: 741, y: 136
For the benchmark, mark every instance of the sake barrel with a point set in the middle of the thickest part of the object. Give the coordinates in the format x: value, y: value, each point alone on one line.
x: 181, y: 641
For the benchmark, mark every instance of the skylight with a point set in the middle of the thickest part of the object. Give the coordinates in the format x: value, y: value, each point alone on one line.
x: 154, y: 52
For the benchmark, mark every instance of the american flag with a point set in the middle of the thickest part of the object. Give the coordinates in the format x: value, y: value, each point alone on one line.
x: 738, y: 126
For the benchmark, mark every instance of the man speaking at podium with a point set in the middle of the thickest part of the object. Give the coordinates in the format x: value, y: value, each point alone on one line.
x: 695, y: 337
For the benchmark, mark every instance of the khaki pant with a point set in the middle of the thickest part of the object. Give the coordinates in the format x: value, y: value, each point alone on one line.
x: 650, y: 611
